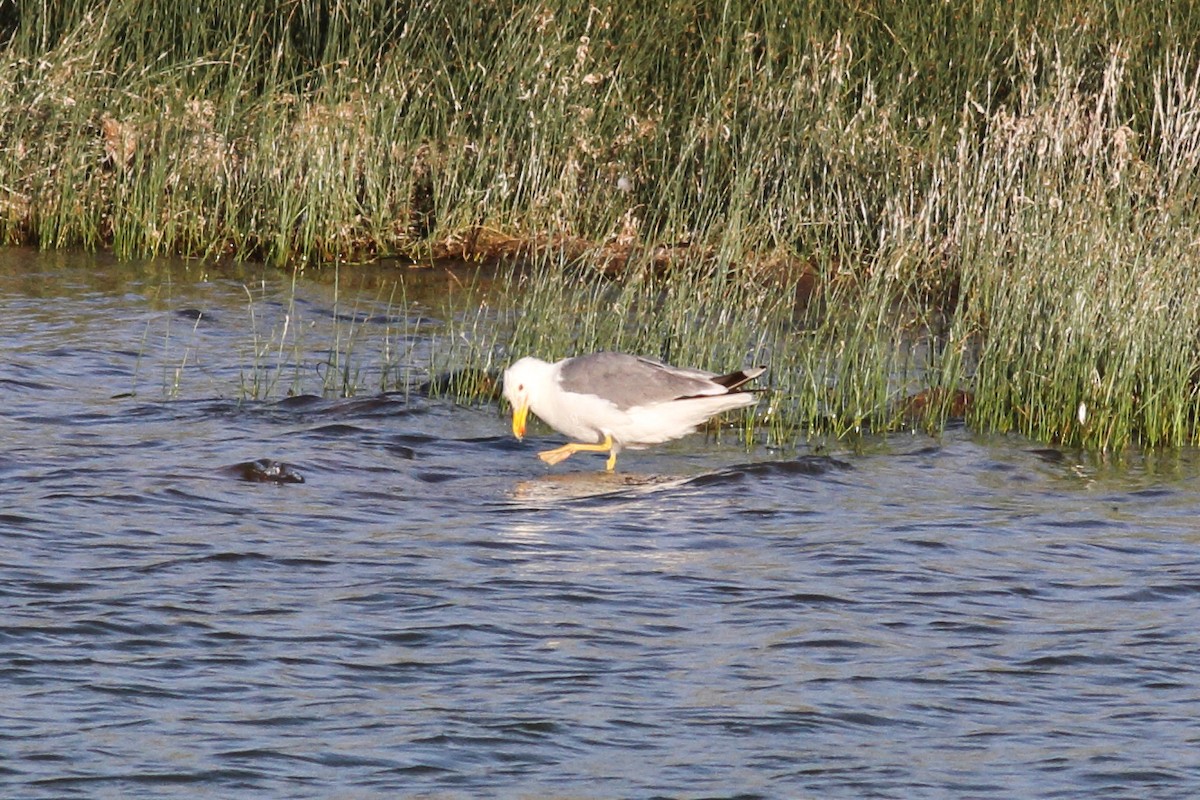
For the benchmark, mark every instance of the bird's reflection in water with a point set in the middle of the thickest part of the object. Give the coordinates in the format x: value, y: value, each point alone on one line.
x: 554, y: 487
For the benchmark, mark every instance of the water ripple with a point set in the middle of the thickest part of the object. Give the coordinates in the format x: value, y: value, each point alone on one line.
x: 433, y: 612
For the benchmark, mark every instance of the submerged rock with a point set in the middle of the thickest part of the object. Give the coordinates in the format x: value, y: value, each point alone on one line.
x: 265, y: 470
x: 194, y: 314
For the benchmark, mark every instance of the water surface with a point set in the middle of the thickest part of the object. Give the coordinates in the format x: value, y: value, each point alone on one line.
x: 433, y: 612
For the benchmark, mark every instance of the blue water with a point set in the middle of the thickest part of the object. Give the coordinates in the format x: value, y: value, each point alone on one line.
x: 433, y: 612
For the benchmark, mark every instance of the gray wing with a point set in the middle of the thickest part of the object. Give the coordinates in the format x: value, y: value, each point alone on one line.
x: 629, y: 381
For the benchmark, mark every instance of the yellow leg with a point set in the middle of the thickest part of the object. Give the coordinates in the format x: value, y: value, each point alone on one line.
x: 567, y: 450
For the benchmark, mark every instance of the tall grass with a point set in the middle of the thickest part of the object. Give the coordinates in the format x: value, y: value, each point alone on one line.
x: 990, y: 198
x: 1079, y: 259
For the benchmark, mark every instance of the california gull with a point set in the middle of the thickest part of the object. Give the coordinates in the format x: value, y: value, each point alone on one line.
x: 610, y: 401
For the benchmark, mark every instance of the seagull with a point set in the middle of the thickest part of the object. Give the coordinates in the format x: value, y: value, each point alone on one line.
x: 610, y: 401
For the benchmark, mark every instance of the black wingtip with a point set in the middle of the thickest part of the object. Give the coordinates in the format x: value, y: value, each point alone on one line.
x: 737, y: 379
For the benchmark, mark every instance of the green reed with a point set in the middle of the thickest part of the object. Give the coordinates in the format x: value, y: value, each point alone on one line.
x: 881, y: 200
x: 299, y: 135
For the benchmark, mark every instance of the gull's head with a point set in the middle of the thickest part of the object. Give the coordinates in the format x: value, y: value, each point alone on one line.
x: 520, y: 383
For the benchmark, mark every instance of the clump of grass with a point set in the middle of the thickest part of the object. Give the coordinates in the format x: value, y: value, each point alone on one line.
x: 1079, y: 263
x: 992, y: 199
x: 1033, y: 272
x: 291, y: 335
x: 296, y: 136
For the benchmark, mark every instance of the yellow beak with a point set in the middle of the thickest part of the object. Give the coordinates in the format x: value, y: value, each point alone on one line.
x: 520, y: 413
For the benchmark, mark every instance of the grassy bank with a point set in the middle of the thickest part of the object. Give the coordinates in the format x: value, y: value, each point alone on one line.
x: 984, y: 200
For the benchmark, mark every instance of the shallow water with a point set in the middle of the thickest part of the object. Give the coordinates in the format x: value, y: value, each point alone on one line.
x: 433, y: 612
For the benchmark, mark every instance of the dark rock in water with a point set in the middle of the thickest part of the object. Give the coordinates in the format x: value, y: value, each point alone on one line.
x: 194, y: 314
x: 266, y: 470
